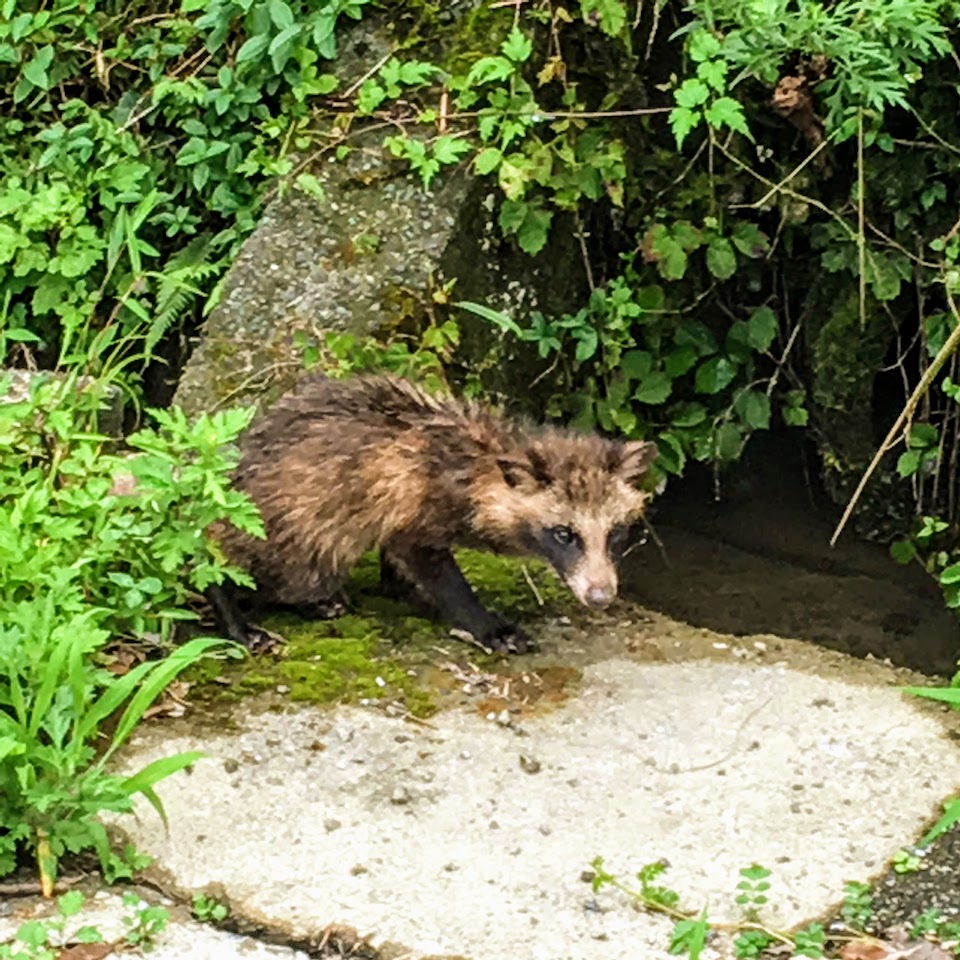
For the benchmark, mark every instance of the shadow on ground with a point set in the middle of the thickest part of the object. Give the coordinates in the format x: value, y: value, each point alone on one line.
x: 759, y: 561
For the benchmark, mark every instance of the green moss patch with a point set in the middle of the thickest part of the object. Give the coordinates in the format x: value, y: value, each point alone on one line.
x: 384, y: 649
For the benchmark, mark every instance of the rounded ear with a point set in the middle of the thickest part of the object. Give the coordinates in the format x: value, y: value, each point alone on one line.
x: 635, y: 459
x: 525, y: 469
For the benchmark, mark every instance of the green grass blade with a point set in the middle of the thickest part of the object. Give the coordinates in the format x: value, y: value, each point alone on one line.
x: 159, y: 678
x: 52, y: 677
x: 949, y: 695
x: 157, y: 805
x: 159, y: 770
x: 951, y: 814
x: 111, y: 699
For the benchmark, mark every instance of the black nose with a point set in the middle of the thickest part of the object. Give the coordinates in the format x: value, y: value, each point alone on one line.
x: 600, y: 596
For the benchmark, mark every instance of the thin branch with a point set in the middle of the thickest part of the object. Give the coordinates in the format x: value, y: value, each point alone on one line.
x: 352, y: 89
x: 794, y: 172
x: 951, y: 344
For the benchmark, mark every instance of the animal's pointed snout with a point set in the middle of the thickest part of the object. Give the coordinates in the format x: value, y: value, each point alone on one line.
x: 600, y: 596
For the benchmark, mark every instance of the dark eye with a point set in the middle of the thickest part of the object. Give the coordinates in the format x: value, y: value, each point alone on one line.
x: 619, y: 536
x: 563, y: 535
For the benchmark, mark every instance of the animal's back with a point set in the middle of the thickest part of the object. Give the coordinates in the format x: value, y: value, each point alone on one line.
x: 338, y: 467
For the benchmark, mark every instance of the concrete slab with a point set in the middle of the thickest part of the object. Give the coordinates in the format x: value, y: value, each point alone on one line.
x: 468, y: 838
x: 183, y: 939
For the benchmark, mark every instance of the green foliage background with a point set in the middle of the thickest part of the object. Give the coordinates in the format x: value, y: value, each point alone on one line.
x: 777, y: 184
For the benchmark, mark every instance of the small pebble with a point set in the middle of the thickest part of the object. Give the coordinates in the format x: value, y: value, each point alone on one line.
x: 357, y: 869
x: 400, y: 795
x: 545, y: 829
x: 529, y: 765
x: 330, y: 825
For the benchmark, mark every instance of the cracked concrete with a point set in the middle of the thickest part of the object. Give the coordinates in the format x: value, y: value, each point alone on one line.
x: 464, y: 837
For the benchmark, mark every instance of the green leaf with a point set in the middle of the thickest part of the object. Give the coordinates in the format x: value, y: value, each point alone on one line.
x: 762, y: 329
x: 682, y: 120
x: 721, y: 260
x: 749, y: 239
x: 636, y: 364
x: 950, y: 575
x: 369, y: 97
x: 951, y: 815
x: 496, y: 317
x: 281, y: 47
x: 753, y: 406
x: 587, y: 342
x: 714, y: 74
x: 903, y: 551
x: 532, y: 235
x: 449, y: 150
x: 726, y: 112
x: 908, y: 463
x: 669, y: 255
x: 703, y: 45
x: 70, y: 903
x: 654, y: 389
x: 35, y: 70
x: 512, y: 215
x: 690, y: 415
x: 609, y: 15
x: 489, y: 69
x: 796, y: 416
x: 253, y: 48
x: 517, y: 46
x: 487, y: 160
x: 309, y: 184
x: 280, y: 14
x: 715, y: 374
x: 690, y: 936
x: 691, y: 93
x: 729, y: 441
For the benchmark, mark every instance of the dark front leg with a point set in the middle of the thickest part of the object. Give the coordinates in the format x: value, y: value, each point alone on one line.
x: 232, y: 622
x: 437, y: 577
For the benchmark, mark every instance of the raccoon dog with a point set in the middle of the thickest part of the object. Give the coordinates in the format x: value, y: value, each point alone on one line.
x: 340, y: 467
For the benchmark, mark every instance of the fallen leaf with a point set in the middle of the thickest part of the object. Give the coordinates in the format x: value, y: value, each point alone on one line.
x: 865, y: 950
x: 88, y: 951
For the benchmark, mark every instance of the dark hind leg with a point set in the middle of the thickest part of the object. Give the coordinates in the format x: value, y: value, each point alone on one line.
x: 437, y: 577
x: 323, y: 609
x: 233, y: 623
x: 392, y: 582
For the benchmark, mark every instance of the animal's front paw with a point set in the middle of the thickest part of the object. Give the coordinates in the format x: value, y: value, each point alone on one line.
x: 500, y: 636
x: 261, y: 640
x: 322, y: 609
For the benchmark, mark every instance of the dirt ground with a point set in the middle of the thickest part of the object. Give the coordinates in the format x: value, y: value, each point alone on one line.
x: 759, y: 561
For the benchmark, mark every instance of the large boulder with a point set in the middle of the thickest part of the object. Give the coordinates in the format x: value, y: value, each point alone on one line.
x: 368, y: 258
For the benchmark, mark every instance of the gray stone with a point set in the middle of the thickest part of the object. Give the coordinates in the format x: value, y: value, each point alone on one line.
x: 695, y: 761
x: 110, y: 417
x: 368, y: 259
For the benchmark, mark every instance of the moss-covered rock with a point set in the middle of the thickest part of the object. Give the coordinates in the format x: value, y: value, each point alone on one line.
x: 384, y: 651
x: 370, y: 257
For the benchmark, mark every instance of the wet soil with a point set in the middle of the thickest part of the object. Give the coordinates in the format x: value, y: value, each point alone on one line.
x: 759, y: 561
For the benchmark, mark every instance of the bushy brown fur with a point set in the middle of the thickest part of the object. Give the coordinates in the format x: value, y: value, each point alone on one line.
x: 341, y: 467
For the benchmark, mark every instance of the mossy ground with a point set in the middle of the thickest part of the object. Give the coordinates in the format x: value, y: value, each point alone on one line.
x: 383, y: 649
